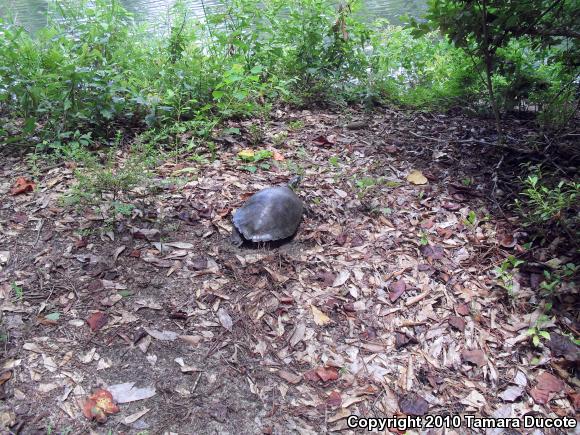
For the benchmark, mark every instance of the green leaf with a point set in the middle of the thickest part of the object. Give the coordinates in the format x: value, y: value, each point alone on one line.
x: 240, y: 95
x: 29, y: 125
x: 257, y: 69
x: 53, y: 316
x: 536, y: 340
x: 218, y: 94
x: 545, y: 334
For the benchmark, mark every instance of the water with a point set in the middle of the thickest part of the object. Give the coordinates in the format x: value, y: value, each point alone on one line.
x: 32, y: 13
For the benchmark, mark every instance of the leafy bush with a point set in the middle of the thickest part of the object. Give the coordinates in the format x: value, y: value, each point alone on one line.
x: 545, y: 205
x: 426, y: 71
x: 93, y: 70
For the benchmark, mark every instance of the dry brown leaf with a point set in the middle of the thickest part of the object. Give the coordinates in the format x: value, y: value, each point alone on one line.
x: 457, y: 322
x: 320, y: 318
x: 397, y: 289
x: 225, y: 319
x: 416, y: 177
x: 327, y: 373
x: 97, y: 320
x: 413, y: 404
x: 289, y: 377
x: 334, y: 399
x: 475, y: 356
x: 22, y: 185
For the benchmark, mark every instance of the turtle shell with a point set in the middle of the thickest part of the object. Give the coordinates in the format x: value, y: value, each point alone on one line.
x: 270, y: 214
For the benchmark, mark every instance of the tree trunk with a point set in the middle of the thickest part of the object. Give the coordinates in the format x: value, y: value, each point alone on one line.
x: 489, y: 71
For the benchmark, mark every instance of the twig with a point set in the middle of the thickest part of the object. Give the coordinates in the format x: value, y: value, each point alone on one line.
x: 38, y: 232
x: 196, y: 382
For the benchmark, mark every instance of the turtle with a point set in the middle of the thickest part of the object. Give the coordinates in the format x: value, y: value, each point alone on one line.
x: 271, y: 214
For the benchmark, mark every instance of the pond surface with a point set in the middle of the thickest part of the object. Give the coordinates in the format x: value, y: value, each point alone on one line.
x: 32, y: 13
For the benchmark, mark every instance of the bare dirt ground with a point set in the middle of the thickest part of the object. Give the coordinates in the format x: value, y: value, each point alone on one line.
x: 385, y: 303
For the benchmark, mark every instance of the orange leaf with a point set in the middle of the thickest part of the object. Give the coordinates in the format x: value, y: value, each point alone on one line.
x: 277, y: 156
x: 98, y: 405
x: 5, y: 376
x: 97, y: 320
x: 327, y: 373
x: 22, y: 185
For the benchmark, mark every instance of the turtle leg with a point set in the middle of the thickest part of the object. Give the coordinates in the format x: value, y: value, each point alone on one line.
x: 236, y: 238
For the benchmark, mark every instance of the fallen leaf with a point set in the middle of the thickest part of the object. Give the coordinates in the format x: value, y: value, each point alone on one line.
x: 97, y: 320
x: 397, y: 289
x: 457, y: 322
x: 118, y: 252
x: 193, y: 340
x: 462, y: 309
x: 475, y: 399
x: 126, y: 392
x: 413, y: 404
x: 416, y: 177
x: 322, y: 141
x: 327, y: 373
x: 179, y: 245
x: 574, y: 400
x: 130, y: 419
x: 311, y: 376
x: 341, y: 278
x: 451, y: 206
x: 277, y: 156
x: 561, y: 345
x: 334, y: 399
x: 475, y: 356
x: 511, y: 393
x: 5, y: 376
x: 320, y: 318
x: 432, y: 252
x: 22, y: 185
x: 225, y: 319
x: 297, y: 334
x: 402, y: 340
x: 507, y: 241
x: 549, y: 382
x: 150, y: 234
x: 162, y: 335
x: 289, y: 377
x: 98, y: 405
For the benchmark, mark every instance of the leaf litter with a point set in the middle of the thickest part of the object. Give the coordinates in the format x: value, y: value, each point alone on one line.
x: 385, y: 303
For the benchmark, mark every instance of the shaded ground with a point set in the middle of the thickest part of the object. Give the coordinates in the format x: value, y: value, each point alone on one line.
x: 385, y: 303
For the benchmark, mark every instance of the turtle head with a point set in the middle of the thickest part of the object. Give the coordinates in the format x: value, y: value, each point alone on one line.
x: 294, y: 182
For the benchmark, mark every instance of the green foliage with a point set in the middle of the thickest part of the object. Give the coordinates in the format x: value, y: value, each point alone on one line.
x: 471, y: 218
x: 94, y: 71
x: 537, y: 332
x: 364, y: 185
x: 505, y: 273
x: 254, y: 158
x: 553, y: 280
x: 524, y: 52
x: 544, y: 204
x: 97, y: 181
x: 18, y: 291
x: 425, y: 71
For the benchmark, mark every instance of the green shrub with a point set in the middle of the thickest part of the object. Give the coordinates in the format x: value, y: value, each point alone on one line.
x: 425, y: 71
x: 545, y: 205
